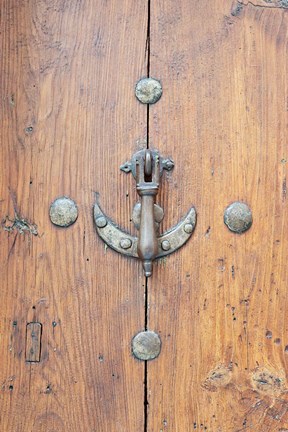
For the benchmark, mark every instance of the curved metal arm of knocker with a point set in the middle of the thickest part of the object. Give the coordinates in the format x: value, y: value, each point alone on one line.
x: 147, y: 168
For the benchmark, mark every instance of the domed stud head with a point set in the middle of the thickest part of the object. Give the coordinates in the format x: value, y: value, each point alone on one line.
x: 146, y: 345
x: 63, y: 212
x: 148, y: 90
x: 238, y: 217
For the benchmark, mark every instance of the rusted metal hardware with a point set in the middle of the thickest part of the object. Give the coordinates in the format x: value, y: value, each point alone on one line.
x: 146, y: 345
x: 238, y: 217
x: 148, y: 90
x: 147, y: 168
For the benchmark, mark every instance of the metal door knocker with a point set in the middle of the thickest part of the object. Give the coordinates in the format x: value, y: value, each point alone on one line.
x: 147, y: 168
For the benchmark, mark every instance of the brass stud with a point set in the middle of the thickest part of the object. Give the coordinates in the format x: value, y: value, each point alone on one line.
x: 63, y: 212
x: 148, y: 90
x: 238, y: 217
x: 146, y: 345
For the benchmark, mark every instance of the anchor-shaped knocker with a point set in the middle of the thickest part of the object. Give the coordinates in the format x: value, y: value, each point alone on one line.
x: 147, y: 168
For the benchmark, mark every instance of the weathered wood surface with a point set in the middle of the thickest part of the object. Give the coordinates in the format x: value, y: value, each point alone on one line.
x: 69, y: 119
x: 220, y: 303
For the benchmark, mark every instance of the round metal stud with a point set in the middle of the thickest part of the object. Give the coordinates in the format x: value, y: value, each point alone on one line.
x: 238, y: 217
x: 188, y: 228
x: 146, y: 345
x: 125, y: 243
x: 166, y: 245
x: 148, y: 90
x: 63, y: 212
x: 101, y: 222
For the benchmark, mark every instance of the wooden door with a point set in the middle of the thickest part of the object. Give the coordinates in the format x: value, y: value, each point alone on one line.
x: 69, y: 119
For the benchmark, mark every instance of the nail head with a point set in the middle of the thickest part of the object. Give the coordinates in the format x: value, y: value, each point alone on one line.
x: 146, y: 345
x: 63, y: 212
x: 238, y: 217
x: 101, y: 222
x: 125, y: 243
x: 188, y: 228
x: 166, y: 245
x: 148, y: 90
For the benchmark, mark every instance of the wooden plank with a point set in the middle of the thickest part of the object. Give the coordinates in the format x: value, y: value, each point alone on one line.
x: 69, y: 119
x: 220, y: 303
x: 33, y: 342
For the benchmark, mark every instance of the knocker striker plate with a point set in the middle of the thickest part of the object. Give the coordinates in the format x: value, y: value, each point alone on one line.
x: 147, y: 168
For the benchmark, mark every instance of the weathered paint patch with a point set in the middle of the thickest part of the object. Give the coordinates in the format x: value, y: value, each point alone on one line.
x: 19, y: 224
x: 268, y: 382
x: 219, y: 377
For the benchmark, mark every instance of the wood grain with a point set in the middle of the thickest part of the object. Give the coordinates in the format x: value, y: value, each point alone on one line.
x: 69, y: 119
x: 220, y: 303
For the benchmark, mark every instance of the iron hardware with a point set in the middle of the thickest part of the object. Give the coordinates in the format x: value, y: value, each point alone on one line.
x: 148, y: 90
x: 147, y: 167
x: 238, y: 217
x: 146, y: 345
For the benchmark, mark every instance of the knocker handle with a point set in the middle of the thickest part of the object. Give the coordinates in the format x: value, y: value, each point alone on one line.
x: 147, y: 241
x: 147, y: 178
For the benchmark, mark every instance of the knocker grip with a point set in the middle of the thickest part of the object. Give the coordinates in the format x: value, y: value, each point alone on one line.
x: 147, y: 178
x: 147, y: 242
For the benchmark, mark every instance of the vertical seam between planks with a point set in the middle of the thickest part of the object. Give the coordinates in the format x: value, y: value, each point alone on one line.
x: 146, y: 279
x: 148, y: 65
